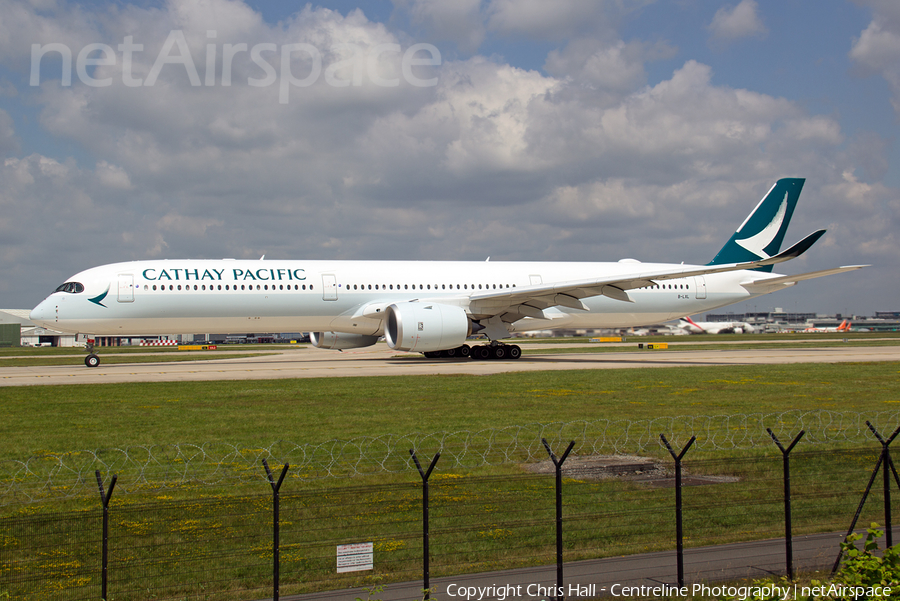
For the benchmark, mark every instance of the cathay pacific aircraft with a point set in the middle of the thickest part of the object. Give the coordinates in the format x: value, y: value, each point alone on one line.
x: 424, y: 306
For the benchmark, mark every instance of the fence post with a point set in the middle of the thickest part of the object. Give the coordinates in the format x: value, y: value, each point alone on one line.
x: 105, y: 496
x: 679, y: 529
x: 426, y: 551
x: 788, y: 536
x: 883, y: 457
x: 887, y: 466
x: 557, y: 463
x: 276, y: 519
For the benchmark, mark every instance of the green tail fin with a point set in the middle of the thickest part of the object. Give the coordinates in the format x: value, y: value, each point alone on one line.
x: 761, y: 234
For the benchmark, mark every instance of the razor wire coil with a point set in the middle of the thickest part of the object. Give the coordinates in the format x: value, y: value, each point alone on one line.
x: 57, y: 475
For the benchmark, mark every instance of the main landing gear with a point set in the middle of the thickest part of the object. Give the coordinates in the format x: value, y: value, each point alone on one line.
x: 459, y: 352
x: 498, y: 351
x: 481, y: 352
x: 92, y: 359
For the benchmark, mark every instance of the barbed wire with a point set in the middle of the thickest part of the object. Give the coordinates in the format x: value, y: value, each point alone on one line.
x: 144, y: 468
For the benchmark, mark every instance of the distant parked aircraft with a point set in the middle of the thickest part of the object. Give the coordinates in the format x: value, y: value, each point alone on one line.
x: 715, y: 327
x: 844, y: 327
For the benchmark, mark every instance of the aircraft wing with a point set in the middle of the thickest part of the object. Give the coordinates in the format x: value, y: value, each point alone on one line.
x: 529, y: 301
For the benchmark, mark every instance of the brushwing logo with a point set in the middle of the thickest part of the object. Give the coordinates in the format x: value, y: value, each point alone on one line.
x: 98, y: 300
x: 762, y: 239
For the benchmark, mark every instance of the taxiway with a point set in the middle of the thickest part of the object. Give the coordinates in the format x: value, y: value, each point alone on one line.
x: 381, y: 361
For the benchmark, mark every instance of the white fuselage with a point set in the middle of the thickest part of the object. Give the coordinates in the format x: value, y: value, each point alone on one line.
x: 237, y: 296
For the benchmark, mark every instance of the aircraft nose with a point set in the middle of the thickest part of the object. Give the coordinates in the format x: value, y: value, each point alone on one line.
x: 44, y: 313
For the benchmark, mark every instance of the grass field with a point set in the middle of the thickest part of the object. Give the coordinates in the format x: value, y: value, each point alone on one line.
x: 64, y: 418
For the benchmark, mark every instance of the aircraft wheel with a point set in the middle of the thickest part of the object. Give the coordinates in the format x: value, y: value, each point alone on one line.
x: 481, y: 352
x: 432, y: 354
x: 514, y: 351
x: 464, y: 350
x: 450, y: 353
x: 92, y: 360
x: 498, y: 352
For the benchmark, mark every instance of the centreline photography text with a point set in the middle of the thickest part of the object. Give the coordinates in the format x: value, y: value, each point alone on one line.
x: 534, y: 591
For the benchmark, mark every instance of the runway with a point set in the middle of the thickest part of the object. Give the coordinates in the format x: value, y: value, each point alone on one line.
x: 381, y: 361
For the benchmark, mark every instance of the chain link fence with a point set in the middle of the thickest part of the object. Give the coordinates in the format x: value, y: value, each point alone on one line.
x: 219, y: 547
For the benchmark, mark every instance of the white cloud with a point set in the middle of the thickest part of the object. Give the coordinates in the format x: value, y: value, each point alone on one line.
x: 9, y: 142
x: 112, y: 176
x: 468, y: 22
x: 877, y: 49
x: 732, y: 23
x: 617, y: 67
x: 553, y: 20
x: 459, y: 21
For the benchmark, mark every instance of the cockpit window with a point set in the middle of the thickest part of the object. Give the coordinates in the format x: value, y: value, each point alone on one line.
x: 71, y: 287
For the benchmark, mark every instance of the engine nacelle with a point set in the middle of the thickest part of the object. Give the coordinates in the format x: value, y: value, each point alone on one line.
x: 339, y: 340
x: 424, y: 327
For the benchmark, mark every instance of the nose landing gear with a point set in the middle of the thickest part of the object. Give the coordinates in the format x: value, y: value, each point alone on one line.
x: 92, y: 359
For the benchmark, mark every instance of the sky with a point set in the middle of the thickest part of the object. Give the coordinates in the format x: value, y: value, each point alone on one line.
x: 448, y: 130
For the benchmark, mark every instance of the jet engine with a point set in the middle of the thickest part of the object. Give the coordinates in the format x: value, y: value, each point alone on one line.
x: 340, y: 340
x: 424, y: 327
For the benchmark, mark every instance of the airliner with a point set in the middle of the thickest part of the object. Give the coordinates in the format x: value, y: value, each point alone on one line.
x: 844, y: 327
x: 715, y: 327
x: 428, y: 307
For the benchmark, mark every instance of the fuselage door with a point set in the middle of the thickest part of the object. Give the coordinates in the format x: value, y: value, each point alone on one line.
x: 700, y: 285
x: 126, y: 288
x: 535, y: 280
x: 329, y: 287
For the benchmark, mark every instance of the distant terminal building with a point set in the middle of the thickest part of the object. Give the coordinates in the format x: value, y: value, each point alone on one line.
x: 17, y: 330
x: 883, y: 321
x: 762, y: 318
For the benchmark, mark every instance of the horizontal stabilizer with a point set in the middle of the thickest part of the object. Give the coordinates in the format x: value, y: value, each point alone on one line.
x: 765, y: 285
x: 796, y: 250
